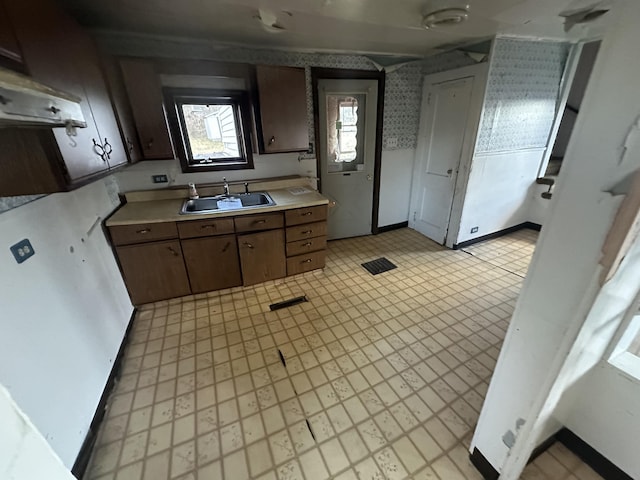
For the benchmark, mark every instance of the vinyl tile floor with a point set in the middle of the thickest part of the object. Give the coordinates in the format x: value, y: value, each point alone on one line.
x: 376, y: 377
x: 511, y: 252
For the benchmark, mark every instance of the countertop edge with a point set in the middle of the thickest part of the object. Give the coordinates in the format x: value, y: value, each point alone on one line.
x: 113, y: 221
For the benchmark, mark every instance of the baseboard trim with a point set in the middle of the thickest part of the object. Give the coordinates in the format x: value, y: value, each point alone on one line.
x: 483, y: 466
x: 82, y: 460
x: 598, y: 462
x: 499, y: 233
x: 395, y: 226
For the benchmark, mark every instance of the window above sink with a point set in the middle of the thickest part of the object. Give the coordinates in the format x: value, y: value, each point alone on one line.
x: 211, y: 128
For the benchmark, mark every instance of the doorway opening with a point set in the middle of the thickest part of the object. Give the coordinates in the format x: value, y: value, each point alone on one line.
x: 348, y: 117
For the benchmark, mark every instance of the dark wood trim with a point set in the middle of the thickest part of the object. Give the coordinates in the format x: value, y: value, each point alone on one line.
x: 598, y: 462
x: 483, y: 466
x: 395, y: 226
x: 82, y: 460
x: 499, y: 233
x: 348, y: 74
x: 241, y: 103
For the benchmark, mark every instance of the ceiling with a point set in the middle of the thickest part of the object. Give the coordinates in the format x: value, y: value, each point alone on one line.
x: 363, y: 26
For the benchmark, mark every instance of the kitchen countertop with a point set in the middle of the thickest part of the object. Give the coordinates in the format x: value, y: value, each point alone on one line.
x: 167, y: 210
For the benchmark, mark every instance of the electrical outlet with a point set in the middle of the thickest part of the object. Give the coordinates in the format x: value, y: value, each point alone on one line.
x: 474, y: 230
x: 159, y: 178
x: 22, y: 250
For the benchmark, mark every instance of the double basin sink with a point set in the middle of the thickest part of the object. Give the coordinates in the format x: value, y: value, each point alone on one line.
x: 217, y: 203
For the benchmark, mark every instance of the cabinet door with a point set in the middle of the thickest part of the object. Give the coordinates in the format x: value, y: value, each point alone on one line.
x: 9, y: 47
x: 54, y: 52
x: 282, y: 94
x: 262, y: 256
x: 154, y: 271
x: 212, y: 263
x: 122, y: 107
x: 145, y: 95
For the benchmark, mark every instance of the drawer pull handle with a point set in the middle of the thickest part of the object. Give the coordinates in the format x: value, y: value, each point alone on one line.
x: 226, y: 247
x: 306, y: 232
x: 308, y: 260
x: 208, y: 226
x: 143, y: 231
x: 306, y: 214
x: 175, y: 254
x: 272, y: 140
x: 258, y: 222
x: 308, y: 244
x: 248, y: 245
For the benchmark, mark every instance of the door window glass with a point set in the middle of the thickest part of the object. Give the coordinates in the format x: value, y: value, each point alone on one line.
x: 345, y: 132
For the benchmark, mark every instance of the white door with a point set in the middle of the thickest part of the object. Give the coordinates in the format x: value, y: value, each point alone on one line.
x: 442, y: 132
x: 347, y: 118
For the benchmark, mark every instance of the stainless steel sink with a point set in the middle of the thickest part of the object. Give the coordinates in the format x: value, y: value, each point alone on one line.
x: 226, y: 202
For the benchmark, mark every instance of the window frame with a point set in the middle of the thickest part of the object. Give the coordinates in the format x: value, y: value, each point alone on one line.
x: 174, y: 98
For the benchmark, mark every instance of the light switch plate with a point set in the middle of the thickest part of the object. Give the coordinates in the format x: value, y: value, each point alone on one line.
x: 22, y: 250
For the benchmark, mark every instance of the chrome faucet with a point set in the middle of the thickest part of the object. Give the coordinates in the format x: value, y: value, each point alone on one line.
x: 226, y: 186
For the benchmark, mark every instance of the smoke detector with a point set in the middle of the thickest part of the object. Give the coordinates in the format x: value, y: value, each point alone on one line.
x: 445, y: 13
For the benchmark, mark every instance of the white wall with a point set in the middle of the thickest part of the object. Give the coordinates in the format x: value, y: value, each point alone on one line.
x: 539, y: 208
x: 498, y: 191
x: 605, y: 415
x: 24, y: 453
x: 564, y: 320
x: 395, y: 183
x: 138, y: 176
x: 63, y: 312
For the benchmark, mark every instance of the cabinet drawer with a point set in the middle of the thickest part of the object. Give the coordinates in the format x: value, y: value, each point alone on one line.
x: 205, y: 228
x: 308, y: 230
x: 305, y: 246
x: 143, y: 232
x: 265, y: 221
x: 305, y: 215
x: 305, y: 263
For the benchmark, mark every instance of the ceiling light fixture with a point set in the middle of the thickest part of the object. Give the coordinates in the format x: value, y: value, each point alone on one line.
x: 445, y: 14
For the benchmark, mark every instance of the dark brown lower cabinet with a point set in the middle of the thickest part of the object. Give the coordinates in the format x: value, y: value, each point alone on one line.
x: 262, y: 256
x: 212, y: 263
x: 154, y: 271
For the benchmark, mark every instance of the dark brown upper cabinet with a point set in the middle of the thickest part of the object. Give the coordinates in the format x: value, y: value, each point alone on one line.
x: 9, y: 47
x: 58, y: 53
x: 282, y: 118
x: 122, y: 107
x: 144, y: 90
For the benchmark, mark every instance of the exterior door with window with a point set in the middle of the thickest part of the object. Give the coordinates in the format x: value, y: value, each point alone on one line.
x: 347, y: 115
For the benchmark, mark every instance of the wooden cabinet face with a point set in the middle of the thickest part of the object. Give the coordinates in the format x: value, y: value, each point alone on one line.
x: 9, y: 47
x: 145, y: 95
x: 263, y: 221
x: 154, y: 271
x: 262, y: 256
x: 305, y: 215
x: 143, y: 232
x: 309, y: 230
x: 306, y: 263
x: 212, y: 263
x: 282, y: 94
x: 58, y: 53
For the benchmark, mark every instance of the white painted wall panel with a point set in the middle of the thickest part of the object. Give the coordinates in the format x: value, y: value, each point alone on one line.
x: 24, y: 453
x: 63, y: 312
x: 498, y: 192
x: 395, y: 182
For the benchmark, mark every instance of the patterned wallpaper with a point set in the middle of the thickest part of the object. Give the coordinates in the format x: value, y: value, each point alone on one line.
x: 403, y: 87
x: 7, y: 203
x: 523, y: 87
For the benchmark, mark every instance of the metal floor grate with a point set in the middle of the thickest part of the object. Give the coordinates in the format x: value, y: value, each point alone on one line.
x: 379, y: 265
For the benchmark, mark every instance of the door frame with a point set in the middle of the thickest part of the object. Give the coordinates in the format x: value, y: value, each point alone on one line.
x: 318, y: 73
x: 480, y: 73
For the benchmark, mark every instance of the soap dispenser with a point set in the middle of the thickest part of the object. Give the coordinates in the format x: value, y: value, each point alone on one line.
x: 193, y: 193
